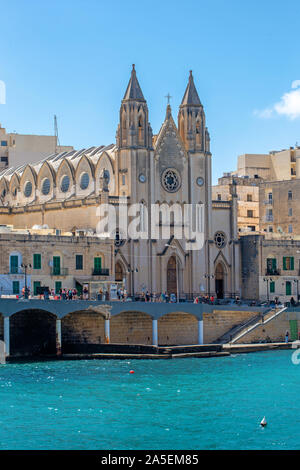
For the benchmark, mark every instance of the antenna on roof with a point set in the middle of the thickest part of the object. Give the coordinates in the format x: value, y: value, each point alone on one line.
x: 56, y: 133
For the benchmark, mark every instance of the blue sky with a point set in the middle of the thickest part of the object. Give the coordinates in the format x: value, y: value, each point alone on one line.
x: 73, y: 59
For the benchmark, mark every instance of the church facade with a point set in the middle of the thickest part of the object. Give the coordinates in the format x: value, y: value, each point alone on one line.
x: 64, y: 190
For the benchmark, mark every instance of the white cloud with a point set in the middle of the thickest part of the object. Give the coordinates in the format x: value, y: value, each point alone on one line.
x: 289, y: 104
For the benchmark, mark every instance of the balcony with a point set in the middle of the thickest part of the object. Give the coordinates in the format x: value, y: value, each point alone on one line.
x: 268, y: 218
x: 59, y: 271
x: 273, y: 272
x: 268, y: 201
x: 100, y: 272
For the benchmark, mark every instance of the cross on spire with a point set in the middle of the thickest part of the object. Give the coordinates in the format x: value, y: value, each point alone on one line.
x: 168, y: 96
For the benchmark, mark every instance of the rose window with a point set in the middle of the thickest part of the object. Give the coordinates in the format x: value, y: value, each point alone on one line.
x: 220, y: 239
x: 170, y: 180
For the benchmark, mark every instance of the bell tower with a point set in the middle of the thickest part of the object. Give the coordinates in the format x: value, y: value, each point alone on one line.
x: 134, y: 130
x: 191, y: 120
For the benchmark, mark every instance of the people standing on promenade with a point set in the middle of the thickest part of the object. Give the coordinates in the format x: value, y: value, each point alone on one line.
x: 287, y: 336
x: 147, y: 296
x: 85, y: 293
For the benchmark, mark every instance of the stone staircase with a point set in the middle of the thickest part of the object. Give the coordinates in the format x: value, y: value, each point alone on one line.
x: 264, y: 319
x: 236, y: 329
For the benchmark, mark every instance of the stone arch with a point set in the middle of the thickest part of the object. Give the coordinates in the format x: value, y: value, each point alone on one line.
x: 82, y: 331
x: 46, y: 171
x: 65, y: 168
x: 14, y: 187
x: 33, y: 333
x: 4, y: 190
x: 85, y: 165
x: 133, y: 327
x: 177, y: 328
x: 28, y: 176
x: 105, y: 163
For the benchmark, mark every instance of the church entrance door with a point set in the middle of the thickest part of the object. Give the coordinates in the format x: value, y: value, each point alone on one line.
x: 219, y: 279
x: 119, y: 272
x: 172, y: 276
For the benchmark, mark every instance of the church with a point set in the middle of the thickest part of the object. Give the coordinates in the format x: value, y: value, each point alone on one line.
x: 63, y: 191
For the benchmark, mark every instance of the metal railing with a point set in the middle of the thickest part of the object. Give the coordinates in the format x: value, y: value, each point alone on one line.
x: 100, y: 272
x: 59, y: 271
x: 273, y: 272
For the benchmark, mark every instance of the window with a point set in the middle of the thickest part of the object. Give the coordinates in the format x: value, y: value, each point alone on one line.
x: 56, y: 265
x: 16, y: 287
x: 123, y: 180
x: 46, y: 186
x: 79, y: 262
x: 271, y: 265
x: 269, y: 215
x: 36, y: 284
x: 84, y: 181
x: 290, y: 229
x: 249, y: 197
x: 290, y: 195
x: 270, y: 198
x: 270, y: 228
x: 219, y: 197
x: 65, y: 183
x: 97, y: 264
x: 14, y: 264
x: 272, y: 287
x: 288, y: 263
x: 4, y: 159
x: 290, y: 211
x: 37, y: 261
x: 288, y: 288
x: 249, y: 213
x: 3, y: 143
x: 28, y: 189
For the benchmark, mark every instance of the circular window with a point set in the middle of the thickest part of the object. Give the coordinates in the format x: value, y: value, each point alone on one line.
x: 200, y: 181
x: 220, y: 239
x: 142, y: 178
x: 28, y: 189
x: 46, y: 186
x: 65, y: 183
x: 171, y: 180
x: 84, y: 181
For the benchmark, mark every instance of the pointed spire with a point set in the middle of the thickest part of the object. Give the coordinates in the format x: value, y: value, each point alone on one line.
x: 133, y: 91
x: 191, y: 97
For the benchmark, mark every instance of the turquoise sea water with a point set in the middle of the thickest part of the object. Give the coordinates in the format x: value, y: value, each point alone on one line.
x: 214, y: 403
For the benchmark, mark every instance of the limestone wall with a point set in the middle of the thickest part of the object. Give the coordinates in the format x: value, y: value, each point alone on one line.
x: 177, y: 328
x: 218, y: 322
x: 131, y: 328
x: 82, y: 328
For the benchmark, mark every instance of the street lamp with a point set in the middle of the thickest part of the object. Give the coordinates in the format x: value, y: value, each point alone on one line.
x: 177, y: 270
x: 267, y: 280
x: 132, y: 271
x: 209, y: 277
x: 297, y: 283
x: 25, y: 267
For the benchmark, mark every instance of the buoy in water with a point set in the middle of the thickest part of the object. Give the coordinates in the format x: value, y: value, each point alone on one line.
x: 131, y: 372
x: 263, y: 422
